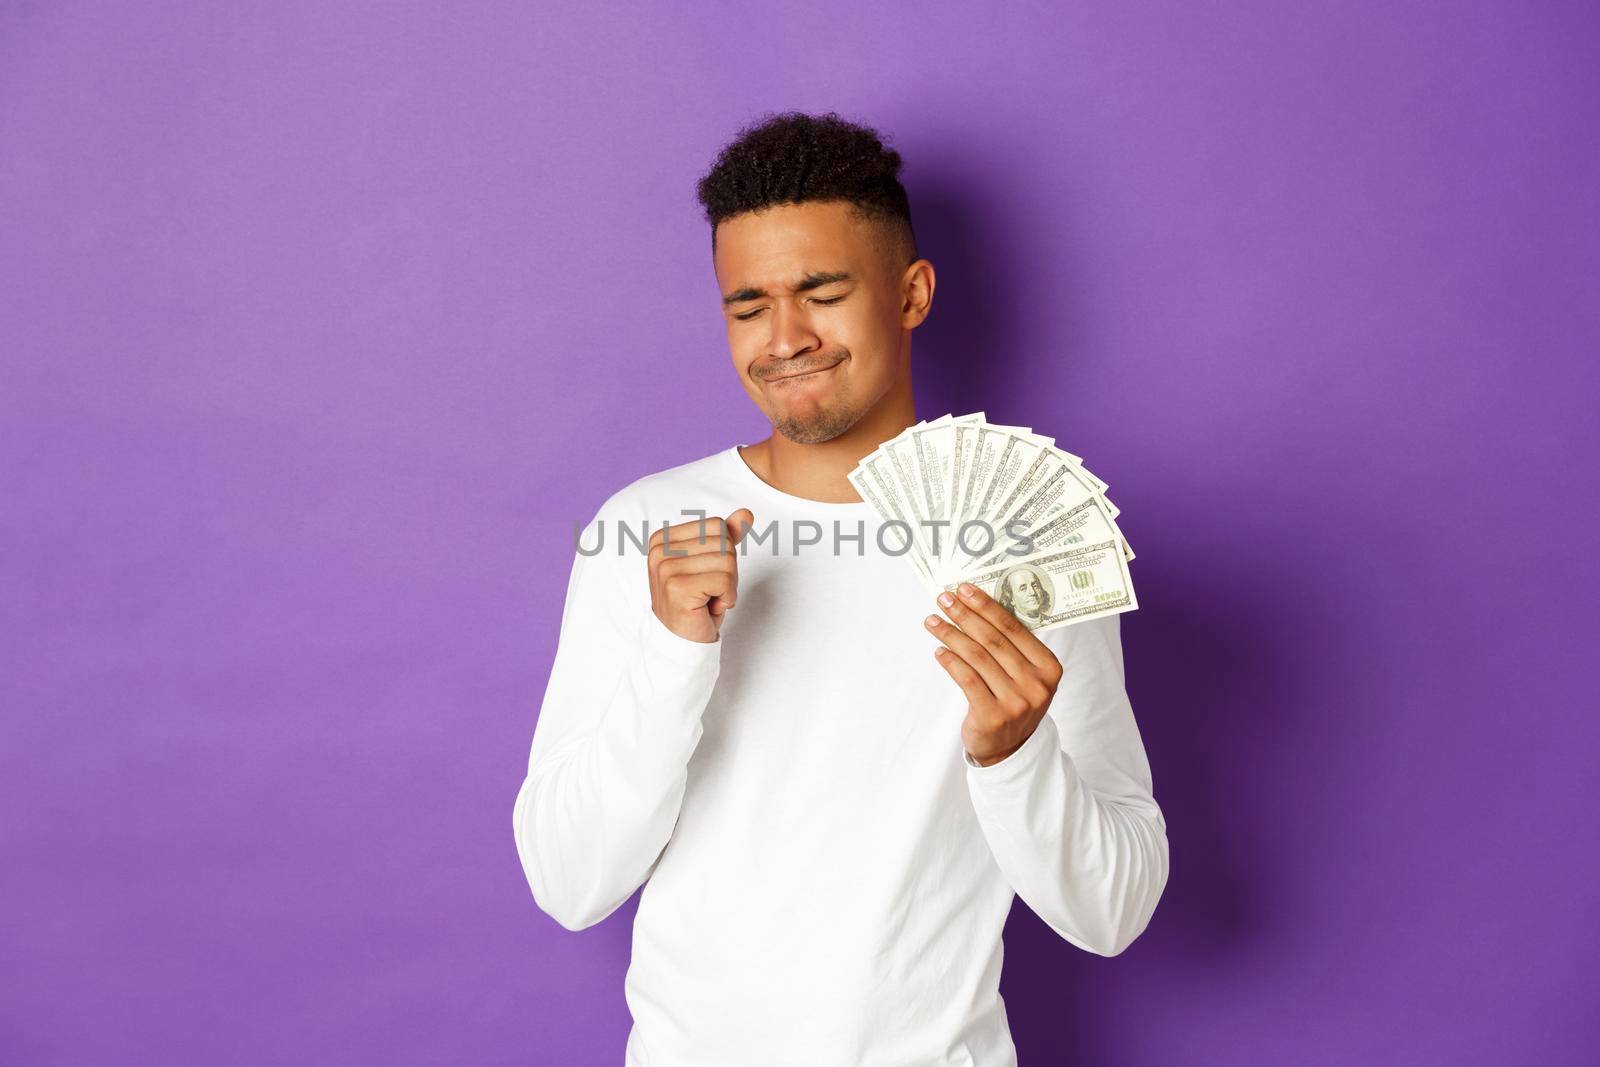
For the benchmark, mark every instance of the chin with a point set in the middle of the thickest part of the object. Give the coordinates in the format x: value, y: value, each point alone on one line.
x: 805, y: 435
x: 824, y: 426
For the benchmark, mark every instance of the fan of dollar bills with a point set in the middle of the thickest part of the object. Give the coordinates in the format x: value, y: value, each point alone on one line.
x: 1002, y: 508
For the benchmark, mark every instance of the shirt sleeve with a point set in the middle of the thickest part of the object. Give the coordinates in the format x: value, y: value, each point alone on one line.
x: 1070, y: 816
x: 608, y: 765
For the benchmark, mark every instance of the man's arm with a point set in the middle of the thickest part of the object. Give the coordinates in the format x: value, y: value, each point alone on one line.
x: 1069, y: 813
x: 608, y: 765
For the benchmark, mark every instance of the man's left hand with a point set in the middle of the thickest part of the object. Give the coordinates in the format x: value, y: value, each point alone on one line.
x: 1008, y: 674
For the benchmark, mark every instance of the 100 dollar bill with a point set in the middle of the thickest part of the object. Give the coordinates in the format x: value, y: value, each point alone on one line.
x: 1061, y: 586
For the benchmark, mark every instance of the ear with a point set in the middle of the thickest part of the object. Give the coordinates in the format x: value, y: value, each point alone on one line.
x: 916, y: 289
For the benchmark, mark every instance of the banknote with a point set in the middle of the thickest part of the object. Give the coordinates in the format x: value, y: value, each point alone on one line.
x: 1059, y: 526
x: 1059, y: 586
x: 892, y: 499
x: 974, y: 496
x: 869, y: 482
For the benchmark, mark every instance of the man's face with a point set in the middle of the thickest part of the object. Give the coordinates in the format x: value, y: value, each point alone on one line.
x: 1026, y: 593
x: 814, y: 315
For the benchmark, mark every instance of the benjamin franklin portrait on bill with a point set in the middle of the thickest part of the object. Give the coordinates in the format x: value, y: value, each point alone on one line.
x: 1027, y: 592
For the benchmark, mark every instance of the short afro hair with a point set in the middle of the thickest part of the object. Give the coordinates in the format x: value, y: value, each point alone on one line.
x: 793, y: 158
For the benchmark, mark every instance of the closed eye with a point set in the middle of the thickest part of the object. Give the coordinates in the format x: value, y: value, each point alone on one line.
x: 748, y: 315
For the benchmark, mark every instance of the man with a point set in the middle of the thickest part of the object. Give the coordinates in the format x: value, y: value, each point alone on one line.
x: 830, y: 824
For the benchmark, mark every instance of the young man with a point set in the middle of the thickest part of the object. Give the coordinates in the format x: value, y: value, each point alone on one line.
x: 830, y: 821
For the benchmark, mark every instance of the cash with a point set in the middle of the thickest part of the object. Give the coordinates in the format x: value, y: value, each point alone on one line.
x: 1005, y: 509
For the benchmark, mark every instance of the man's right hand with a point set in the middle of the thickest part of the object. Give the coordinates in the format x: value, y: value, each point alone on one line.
x: 689, y: 593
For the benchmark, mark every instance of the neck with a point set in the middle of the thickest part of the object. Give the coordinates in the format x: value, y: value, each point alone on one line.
x: 818, y: 472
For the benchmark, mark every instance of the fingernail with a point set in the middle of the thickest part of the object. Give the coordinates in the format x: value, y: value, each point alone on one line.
x: 931, y: 621
x: 946, y: 599
x: 968, y: 590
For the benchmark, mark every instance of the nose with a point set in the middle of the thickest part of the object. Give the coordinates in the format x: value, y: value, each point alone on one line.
x: 792, y: 334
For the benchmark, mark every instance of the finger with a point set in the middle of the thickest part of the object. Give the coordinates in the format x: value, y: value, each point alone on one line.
x: 698, y: 563
x: 995, y: 641
x: 698, y: 589
x: 995, y: 677
x: 729, y: 597
x: 970, y: 681
x: 739, y: 526
x: 688, y: 538
x: 1022, y: 639
x: 716, y: 573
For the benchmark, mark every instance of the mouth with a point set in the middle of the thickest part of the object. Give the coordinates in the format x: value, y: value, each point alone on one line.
x: 803, y: 375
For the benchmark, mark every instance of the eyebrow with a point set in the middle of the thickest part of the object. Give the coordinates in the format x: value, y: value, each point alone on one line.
x: 814, y: 280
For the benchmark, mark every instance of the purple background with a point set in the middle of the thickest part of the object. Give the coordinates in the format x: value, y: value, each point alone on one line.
x: 323, y: 323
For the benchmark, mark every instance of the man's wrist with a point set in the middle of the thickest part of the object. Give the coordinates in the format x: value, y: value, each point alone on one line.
x: 989, y: 761
x: 661, y: 638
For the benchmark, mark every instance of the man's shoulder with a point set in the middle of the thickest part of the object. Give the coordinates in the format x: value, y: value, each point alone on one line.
x: 665, y: 493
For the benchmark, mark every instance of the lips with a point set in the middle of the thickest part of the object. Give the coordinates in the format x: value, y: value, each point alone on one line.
x: 804, y: 373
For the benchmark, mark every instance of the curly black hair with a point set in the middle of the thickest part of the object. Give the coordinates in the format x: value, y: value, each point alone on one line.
x: 793, y: 157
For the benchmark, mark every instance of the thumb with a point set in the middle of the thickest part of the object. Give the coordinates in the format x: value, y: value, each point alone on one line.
x: 739, y: 524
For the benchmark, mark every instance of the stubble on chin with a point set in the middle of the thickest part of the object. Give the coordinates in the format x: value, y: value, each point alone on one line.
x: 820, y: 424
x: 825, y: 425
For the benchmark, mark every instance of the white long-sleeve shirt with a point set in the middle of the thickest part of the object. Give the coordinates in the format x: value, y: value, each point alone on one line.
x: 826, y: 872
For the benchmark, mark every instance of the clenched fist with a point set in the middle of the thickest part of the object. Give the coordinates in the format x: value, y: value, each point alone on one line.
x: 689, y: 593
